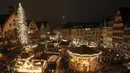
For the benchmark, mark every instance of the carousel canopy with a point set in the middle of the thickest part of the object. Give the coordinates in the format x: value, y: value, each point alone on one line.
x: 84, y: 50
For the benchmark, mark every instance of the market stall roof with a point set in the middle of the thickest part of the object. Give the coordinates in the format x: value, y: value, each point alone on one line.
x: 84, y: 50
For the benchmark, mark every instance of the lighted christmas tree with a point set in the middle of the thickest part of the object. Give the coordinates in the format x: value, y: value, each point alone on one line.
x: 22, y: 25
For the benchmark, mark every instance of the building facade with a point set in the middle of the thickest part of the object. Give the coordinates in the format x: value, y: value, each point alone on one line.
x: 44, y: 29
x: 107, y: 32
x: 125, y: 15
x: 82, y: 31
x: 38, y: 30
x: 33, y: 32
x: 9, y: 30
x: 118, y: 30
x: 121, y: 28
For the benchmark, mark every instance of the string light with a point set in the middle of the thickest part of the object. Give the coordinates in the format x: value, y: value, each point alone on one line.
x: 83, y: 55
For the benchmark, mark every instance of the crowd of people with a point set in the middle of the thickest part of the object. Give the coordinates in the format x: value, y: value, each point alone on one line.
x: 113, y: 57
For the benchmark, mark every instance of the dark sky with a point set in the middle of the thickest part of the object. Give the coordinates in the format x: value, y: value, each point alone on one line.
x: 74, y: 10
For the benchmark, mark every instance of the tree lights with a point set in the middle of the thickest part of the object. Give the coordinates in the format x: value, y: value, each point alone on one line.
x: 21, y: 26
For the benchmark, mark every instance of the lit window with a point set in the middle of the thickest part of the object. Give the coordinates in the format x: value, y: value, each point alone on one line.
x: 30, y: 31
x: 87, y: 29
x: 48, y: 32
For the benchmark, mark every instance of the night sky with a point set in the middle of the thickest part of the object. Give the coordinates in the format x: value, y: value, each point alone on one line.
x: 74, y: 10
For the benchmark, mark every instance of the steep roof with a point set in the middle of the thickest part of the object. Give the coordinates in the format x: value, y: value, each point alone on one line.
x: 3, y: 19
x: 39, y: 24
x: 125, y: 14
x: 81, y: 25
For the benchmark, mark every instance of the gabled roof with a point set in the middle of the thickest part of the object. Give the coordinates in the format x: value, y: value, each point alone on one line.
x: 3, y: 19
x: 125, y: 14
x: 39, y: 24
x: 81, y: 25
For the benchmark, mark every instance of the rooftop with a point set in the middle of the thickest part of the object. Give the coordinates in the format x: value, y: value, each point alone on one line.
x: 39, y: 24
x: 81, y: 25
x: 84, y: 50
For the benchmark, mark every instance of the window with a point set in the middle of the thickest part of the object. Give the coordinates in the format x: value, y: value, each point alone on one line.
x: 30, y: 31
x: 118, y: 34
x: 13, y: 20
x: 10, y: 25
x: 118, y: 22
x: 118, y: 28
x: 48, y: 32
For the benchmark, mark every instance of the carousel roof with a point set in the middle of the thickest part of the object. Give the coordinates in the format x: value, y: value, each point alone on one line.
x: 84, y: 50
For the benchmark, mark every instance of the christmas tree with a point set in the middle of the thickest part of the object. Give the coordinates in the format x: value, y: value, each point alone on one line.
x: 22, y: 26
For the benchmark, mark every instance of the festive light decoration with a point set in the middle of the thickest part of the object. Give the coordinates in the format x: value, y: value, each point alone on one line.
x: 83, y: 55
x: 84, y: 62
x: 21, y: 24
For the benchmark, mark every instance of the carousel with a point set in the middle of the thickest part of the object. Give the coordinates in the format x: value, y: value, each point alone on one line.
x: 84, y: 59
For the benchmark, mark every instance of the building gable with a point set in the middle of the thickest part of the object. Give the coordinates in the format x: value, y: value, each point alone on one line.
x: 11, y: 22
x: 9, y: 26
x: 118, y: 16
x: 32, y: 26
x: 41, y: 24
